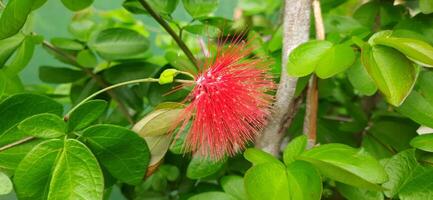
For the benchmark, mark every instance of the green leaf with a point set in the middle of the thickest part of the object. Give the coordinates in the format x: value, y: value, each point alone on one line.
x: 201, y: 167
x: 157, y: 122
x: 5, y: 184
x: 158, y: 146
x: 335, y: 60
x: 392, y: 72
x: 200, y: 8
x: 417, y: 50
x: 294, y: 148
x: 81, y: 28
x: 164, y: 7
x: 347, y: 165
x: 8, y: 46
x: 304, y: 59
x: 3, y: 83
x: 119, y: 43
x: 23, y: 56
x: 76, y: 5
x: 304, y: 180
x: 167, y: 76
x: 257, y: 156
x: 86, y: 58
x: 20, y: 107
x: 234, y: 185
x: 12, y: 21
x: 399, y: 169
x: 423, y: 142
x: 419, y: 186
x: 426, y: 6
x: 360, y: 80
x: 67, y: 44
x: 10, y: 158
x: 86, y: 114
x: 354, y: 193
x: 252, y: 7
x: 212, y: 196
x: 122, y: 152
x: 267, y: 180
x: 43, y: 125
x: 50, y: 74
x: 58, y: 169
x: 134, y: 6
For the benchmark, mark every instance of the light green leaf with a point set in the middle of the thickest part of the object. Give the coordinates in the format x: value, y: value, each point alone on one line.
x: 59, y: 74
x: 86, y: 114
x: 12, y: 21
x: 304, y: 59
x: 81, y: 28
x: 76, y: 5
x: 419, y: 186
x: 304, y: 180
x: 57, y: 169
x: 8, y: 46
x: 87, y: 59
x: 10, y: 158
x: 347, y: 165
x: 335, y: 60
x: 167, y: 76
x: 252, y: 7
x: 157, y: 122
x: 355, y: 193
x: 360, y: 80
x: 200, y: 8
x: 257, y: 156
x: 5, y: 184
x: 392, y: 72
x: 267, y: 180
x: 67, y: 44
x: 426, y: 6
x: 43, y: 125
x: 122, y: 152
x: 234, y: 185
x: 119, y: 43
x: 294, y: 148
x: 212, y: 196
x: 201, y: 167
x: 22, y: 58
x: 423, y: 142
x: 164, y: 7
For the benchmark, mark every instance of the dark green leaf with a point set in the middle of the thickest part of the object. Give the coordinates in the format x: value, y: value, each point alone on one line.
x: 76, y: 5
x: 119, y: 43
x: 122, y: 152
x: 201, y: 167
x: 59, y: 74
x: 12, y: 21
x: 86, y: 114
x: 294, y: 148
x: 5, y: 184
x: 267, y: 180
x: 43, y: 125
x: 199, y: 8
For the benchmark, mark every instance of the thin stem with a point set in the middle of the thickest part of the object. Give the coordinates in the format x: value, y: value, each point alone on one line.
x: 310, y: 120
x: 170, y: 31
x: 3, y: 148
x: 101, y: 82
x: 145, y: 80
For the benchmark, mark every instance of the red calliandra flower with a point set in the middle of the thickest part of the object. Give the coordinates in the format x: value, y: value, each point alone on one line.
x: 230, y: 101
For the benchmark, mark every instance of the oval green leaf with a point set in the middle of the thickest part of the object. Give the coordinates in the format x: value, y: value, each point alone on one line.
x: 257, y: 156
x: 304, y: 59
x: 423, y: 142
x: 294, y: 148
x: 50, y: 74
x: 86, y: 114
x: 234, y: 185
x: 5, y: 184
x: 304, y: 180
x: 158, y: 122
x: 335, y: 60
x: 360, y: 80
x: 12, y: 21
x: 76, y: 5
x: 43, y: 125
x: 201, y: 167
x: 200, y: 8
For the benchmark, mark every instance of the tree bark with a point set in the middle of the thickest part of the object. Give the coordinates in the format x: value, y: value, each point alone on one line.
x: 296, y: 28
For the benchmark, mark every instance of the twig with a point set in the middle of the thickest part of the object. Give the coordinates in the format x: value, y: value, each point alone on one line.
x: 24, y: 140
x: 310, y: 120
x: 101, y: 82
x: 296, y: 28
x: 170, y: 31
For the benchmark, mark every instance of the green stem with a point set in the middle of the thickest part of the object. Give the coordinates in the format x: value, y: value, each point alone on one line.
x: 170, y: 31
x: 145, y: 80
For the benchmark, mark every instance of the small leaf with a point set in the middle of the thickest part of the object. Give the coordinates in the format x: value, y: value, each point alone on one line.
x: 294, y: 148
x: 5, y: 184
x: 157, y: 122
x: 50, y: 74
x: 335, y: 60
x: 267, y: 180
x: 201, y: 167
x: 393, y: 73
x: 234, y: 185
x: 360, y: 79
x: 81, y: 28
x: 304, y: 59
x: 423, y: 142
x: 43, y: 125
x: 12, y: 21
x: 164, y: 7
x: 67, y: 44
x: 167, y: 76
x: 87, y: 59
x: 8, y: 46
x: 212, y: 196
x: 76, y: 5
x: 119, y: 43
x: 122, y: 152
x: 86, y: 114
x: 200, y: 8
x: 257, y: 156
x: 347, y: 165
x: 304, y: 180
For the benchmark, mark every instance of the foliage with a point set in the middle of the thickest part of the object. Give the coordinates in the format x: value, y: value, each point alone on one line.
x: 375, y: 91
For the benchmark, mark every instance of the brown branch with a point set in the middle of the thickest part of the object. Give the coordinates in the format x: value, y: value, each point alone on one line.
x: 98, y: 79
x: 170, y: 31
x: 310, y: 120
x: 24, y: 140
x: 296, y: 28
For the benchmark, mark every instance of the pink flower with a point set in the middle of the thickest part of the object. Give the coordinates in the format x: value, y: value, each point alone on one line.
x: 229, y: 103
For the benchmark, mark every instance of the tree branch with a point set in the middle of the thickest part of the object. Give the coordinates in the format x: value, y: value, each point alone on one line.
x: 101, y: 82
x: 170, y: 31
x: 296, y: 28
x: 310, y: 120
